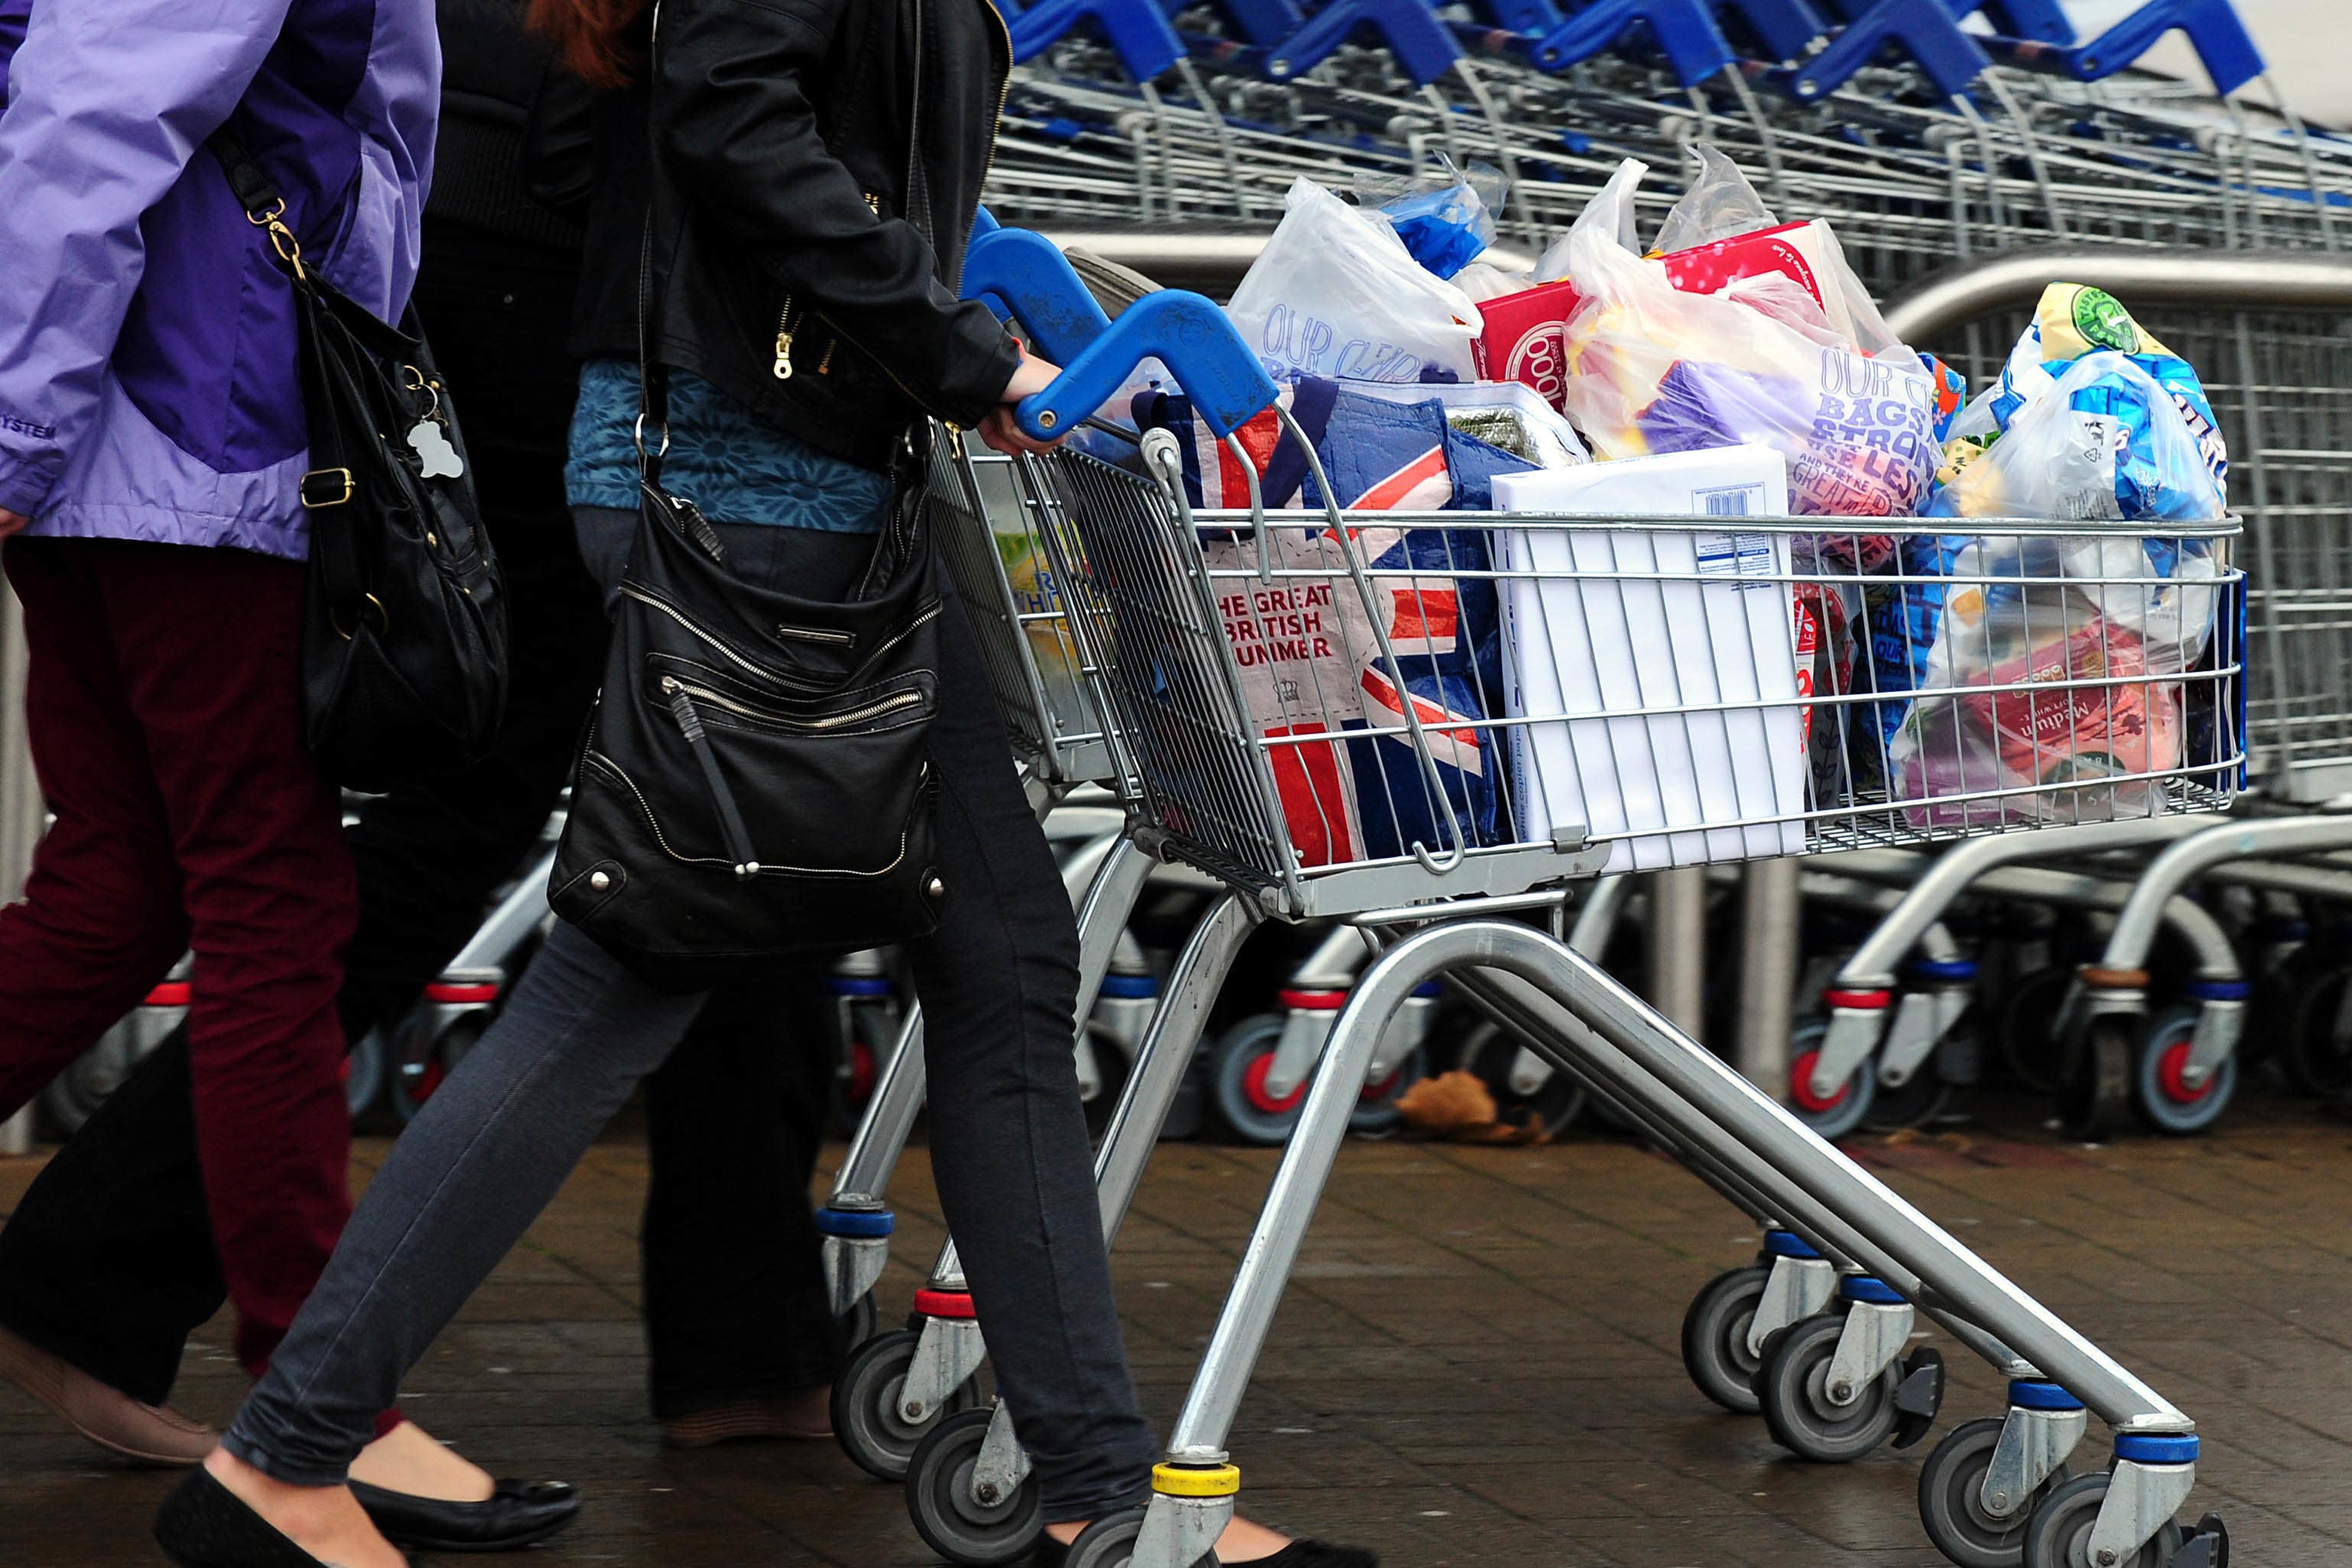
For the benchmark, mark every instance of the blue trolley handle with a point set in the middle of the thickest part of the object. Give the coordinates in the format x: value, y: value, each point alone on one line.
x: 1136, y: 30
x: 1787, y: 29
x: 1948, y: 56
x: 2214, y: 28
x: 2037, y: 21
x: 1528, y: 19
x: 1685, y: 32
x: 1024, y: 277
x: 1223, y: 379
x: 1265, y: 23
x: 1422, y: 44
x: 2033, y: 21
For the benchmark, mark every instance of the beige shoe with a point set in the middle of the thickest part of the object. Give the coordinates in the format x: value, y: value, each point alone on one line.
x: 151, y: 1434
x: 803, y: 1416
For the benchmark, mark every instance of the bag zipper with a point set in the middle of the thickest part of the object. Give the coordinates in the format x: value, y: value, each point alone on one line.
x: 731, y: 829
x: 797, y: 633
x: 891, y: 703
x: 783, y: 366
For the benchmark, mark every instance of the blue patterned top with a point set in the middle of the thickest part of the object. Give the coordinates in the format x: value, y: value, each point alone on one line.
x: 723, y: 458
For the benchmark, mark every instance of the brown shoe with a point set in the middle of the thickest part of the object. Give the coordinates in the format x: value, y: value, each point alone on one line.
x: 151, y: 1434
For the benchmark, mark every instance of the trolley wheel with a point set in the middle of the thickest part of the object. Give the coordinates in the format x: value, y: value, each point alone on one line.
x: 1109, y: 1542
x: 1376, y: 1115
x: 2098, y: 1086
x: 1715, y: 1338
x: 856, y: 1325
x: 1918, y: 1101
x: 1237, y: 1075
x: 364, y: 1072
x: 957, y: 1524
x: 2161, y: 1093
x: 2021, y: 1028
x: 1793, y: 1388
x: 1832, y: 1115
x: 413, y: 1081
x: 2059, y: 1534
x: 2313, y: 1051
x: 1488, y: 1051
x: 867, y: 1420
x: 1951, y: 1501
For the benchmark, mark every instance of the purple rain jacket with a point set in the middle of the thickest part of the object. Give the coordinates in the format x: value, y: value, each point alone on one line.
x: 149, y: 387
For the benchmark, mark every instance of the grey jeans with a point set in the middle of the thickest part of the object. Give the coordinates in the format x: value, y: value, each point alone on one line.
x: 998, y: 982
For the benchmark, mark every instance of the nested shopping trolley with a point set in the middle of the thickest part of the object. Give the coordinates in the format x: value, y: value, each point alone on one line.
x: 1433, y: 788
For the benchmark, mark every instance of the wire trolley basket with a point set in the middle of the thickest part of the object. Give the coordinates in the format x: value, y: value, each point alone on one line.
x: 1346, y: 711
x: 991, y: 513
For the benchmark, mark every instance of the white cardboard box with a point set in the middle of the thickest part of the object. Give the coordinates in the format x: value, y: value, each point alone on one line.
x: 1594, y: 658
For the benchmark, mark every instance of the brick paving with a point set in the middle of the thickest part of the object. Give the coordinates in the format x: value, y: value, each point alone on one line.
x: 1476, y: 1364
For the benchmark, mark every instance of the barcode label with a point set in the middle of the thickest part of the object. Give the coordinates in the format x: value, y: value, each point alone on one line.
x: 1732, y: 501
x: 1734, y: 555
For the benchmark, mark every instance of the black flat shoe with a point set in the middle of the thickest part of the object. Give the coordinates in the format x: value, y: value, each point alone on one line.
x: 203, y: 1524
x: 518, y: 1513
x: 1052, y: 1553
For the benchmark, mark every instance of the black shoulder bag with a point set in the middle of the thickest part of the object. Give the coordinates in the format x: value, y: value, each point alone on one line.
x: 405, y: 634
x: 755, y: 781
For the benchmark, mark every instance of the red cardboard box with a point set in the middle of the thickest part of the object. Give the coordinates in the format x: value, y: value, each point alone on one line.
x: 1523, y: 340
x: 1800, y: 252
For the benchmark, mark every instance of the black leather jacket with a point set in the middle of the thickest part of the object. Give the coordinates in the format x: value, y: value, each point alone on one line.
x: 820, y: 164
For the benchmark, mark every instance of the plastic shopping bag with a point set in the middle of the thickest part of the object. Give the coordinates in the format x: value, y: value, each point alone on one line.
x: 2064, y: 696
x: 1720, y: 205
x: 1336, y: 293
x: 1446, y: 220
x: 1654, y: 369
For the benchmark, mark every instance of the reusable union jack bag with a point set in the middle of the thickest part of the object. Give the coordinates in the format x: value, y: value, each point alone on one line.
x: 1309, y: 662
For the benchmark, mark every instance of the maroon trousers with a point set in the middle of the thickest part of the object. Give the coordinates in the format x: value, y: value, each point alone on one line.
x: 166, y: 731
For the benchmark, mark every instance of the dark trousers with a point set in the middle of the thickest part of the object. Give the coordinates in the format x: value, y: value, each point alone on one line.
x: 109, y: 1261
x: 998, y: 981
x: 165, y: 723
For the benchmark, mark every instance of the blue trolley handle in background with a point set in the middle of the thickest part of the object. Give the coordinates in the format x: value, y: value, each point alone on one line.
x: 1684, y: 31
x: 1422, y: 44
x: 1136, y: 30
x: 1263, y: 23
x: 2214, y: 29
x: 1786, y: 29
x: 1947, y: 56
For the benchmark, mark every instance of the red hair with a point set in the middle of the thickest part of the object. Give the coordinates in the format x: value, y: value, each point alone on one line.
x: 598, y: 40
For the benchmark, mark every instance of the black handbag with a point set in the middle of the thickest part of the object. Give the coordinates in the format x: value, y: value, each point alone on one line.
x: 755, y: 781
x: 405, y: 634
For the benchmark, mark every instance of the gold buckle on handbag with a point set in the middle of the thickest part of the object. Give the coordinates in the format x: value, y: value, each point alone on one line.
x: 318, y: 488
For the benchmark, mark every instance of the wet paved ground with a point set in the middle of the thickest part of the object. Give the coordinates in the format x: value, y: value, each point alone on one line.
x: 1476, y: 1365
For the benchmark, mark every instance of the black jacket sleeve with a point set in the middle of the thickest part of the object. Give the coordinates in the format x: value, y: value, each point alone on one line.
x: 737, y: 135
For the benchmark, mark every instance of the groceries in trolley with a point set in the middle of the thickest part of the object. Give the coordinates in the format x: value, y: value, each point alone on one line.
x: 2030, y: 652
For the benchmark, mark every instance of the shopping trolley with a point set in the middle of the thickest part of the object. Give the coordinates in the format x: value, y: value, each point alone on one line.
x: 993, y: 526
x: 1211, y: 753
